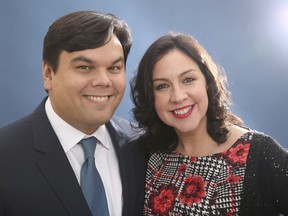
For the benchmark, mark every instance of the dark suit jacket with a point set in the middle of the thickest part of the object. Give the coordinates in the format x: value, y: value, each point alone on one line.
x: 36, y: 178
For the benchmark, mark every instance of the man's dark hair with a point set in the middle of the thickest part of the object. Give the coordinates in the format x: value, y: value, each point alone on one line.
x: 83, y: 30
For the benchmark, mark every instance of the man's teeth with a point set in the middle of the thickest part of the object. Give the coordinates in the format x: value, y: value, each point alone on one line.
x: 182, y: 111
x: 94, y: 98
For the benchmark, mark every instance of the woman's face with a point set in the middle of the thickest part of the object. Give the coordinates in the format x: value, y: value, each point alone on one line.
x: 180, y: 92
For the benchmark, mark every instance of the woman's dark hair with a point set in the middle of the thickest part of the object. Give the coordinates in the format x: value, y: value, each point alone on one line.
x: 83, y: 30
x: 157, y: 135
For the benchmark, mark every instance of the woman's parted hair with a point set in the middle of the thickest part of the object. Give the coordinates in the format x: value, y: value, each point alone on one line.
x: 157, y: 135
x: 83, y: 30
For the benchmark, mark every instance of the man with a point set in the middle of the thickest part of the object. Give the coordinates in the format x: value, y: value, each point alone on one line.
x: 84, y: 60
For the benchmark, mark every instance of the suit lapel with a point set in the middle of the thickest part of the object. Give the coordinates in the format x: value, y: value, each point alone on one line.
x: 119, y: 140
x: 55, y: 166
x: 132, y: 164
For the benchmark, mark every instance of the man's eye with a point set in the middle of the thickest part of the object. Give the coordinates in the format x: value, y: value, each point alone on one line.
x: 84, y: 67
x: 114, y: 69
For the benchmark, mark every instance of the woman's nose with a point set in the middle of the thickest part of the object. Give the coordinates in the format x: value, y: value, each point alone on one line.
x: 178, y: 94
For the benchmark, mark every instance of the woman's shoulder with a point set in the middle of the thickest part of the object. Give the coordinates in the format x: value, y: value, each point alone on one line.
x: 266, y: 143
x: 236, y: 133
x: 256, y: 138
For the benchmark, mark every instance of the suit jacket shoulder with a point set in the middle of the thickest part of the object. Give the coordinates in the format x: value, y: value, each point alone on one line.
x: 35, y: 175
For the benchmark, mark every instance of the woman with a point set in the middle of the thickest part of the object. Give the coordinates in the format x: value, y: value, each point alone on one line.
x: 202, y: 159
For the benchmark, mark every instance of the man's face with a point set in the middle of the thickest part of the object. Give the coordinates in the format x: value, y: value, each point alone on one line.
x: 88, y: 85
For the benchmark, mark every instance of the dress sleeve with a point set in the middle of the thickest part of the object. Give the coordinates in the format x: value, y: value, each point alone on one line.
x: 275, y: 169
x: 266, y: 178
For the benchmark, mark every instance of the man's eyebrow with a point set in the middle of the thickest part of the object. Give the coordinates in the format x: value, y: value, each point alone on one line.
x: 89, y: 60
x: 119, y: 59
x: 82, y: 58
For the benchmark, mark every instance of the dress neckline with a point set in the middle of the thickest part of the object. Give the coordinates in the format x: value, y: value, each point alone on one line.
x: 242, y: 137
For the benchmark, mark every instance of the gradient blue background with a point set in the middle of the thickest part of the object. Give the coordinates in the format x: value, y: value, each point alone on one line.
x: 248, y: 38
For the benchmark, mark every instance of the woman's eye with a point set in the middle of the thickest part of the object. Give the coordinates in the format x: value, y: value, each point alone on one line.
x: 161, y: 86
x: 188, y: 79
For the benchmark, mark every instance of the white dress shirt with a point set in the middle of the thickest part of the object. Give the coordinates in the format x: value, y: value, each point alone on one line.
x: 105, y: 156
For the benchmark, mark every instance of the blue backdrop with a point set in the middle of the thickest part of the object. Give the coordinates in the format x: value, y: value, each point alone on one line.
x: 248, y: 38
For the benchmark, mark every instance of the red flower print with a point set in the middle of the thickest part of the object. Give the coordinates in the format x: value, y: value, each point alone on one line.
x: 163, y: 201
x: 182, y: 168
x: 193, y: 190
x: 239, y: 153
x: 230, y: 213
x: 233, y: 179
x: 193, y: 160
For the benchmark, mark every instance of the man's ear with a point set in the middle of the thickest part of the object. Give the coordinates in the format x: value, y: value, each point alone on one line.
x: 47, y: 74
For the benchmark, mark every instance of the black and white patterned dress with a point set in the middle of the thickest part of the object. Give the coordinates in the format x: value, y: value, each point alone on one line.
x: 208, y: 185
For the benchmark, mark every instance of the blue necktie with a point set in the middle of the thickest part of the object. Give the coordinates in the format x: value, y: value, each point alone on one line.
x: 91, y: 183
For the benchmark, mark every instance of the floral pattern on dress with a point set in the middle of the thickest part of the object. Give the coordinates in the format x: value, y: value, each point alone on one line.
x: 238, y: 154
x: 234, y: 179
x: 184, y: 166
x: 210, y: 185
x: 193, y: 190
x: 163, y: 201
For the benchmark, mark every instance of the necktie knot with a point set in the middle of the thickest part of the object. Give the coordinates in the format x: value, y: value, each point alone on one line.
x: 89, y: 146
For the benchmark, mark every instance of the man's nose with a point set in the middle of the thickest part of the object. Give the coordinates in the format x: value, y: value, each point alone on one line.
x: 101, y: 78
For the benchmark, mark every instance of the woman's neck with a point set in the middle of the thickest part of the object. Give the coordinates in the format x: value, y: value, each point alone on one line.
x: 195, y: 144
x: 201, y: 144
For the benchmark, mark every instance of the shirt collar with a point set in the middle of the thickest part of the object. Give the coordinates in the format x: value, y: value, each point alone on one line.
x: 70, y: 136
